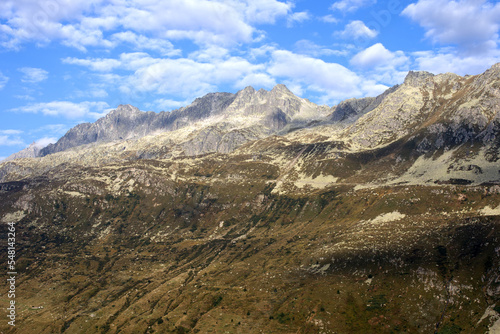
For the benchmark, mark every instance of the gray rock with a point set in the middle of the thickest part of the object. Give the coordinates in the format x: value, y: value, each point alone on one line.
x: 31, y: 151
x: 127, y: 122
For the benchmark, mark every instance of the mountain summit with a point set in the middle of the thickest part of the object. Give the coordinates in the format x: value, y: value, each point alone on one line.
x: 250, y: 114
x: 262, y: 212
x: 434, y: 111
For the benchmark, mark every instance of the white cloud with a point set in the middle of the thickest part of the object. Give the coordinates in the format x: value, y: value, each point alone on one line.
x: 357, y: 30
x: 167, y: 104
x: 298, y: 17
x: 39, y: 21
x: 3, y: 80
x: 372, y: 88
x: 81, y: 24
x: 449, y: 61
x: 127, y: 61
x: 24, y: 97
x: 310, y: 48
x: 100, y: 65
x: 11, y: 132
x: 42, y: 142
x: 189, y: 77
x: 205, y: 22
x: 351, y: 5
x: 375, y: 55
x: 333, y: 81
x: 54, y: 129
x: 259, y: 80
x: 10, y: 140
x: 192, y: 78
x: 263, y: 51
x: 67, y: 109
x: 383, y: 67
x: 204, y: 71
x: 33, y: 75
x: 141, y: 42
x: 209, y: 54
x: 471, y: 24
x: 329, y: 19
x: 264, y: 11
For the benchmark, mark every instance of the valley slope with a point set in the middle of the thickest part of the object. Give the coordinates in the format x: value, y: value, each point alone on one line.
x: 262, y: 212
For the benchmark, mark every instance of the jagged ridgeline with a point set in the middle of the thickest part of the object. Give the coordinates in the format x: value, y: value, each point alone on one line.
x: 262, y: 212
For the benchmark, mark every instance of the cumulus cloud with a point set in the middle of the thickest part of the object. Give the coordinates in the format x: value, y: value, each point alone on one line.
x: 351, y: 5
x: 357, y: 30
x: 382, y: 66
x: 332, y: 80
x: 263, y: 11
x: 206, y: 70
x: 443, y: 61
x: 40, y: 21
x: 471, y: 24
x: 189, y: 77
x: 95, y: 23
x: 192, y: 78
x: 375, y: 55
x: 33, y: 75
x: 67, y: 109
x: 141, y: 42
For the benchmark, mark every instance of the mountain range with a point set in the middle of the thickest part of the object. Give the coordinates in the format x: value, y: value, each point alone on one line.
x: 261, y: 211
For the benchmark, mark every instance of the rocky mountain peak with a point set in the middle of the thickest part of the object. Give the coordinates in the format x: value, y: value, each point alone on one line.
x: 126, y: 110
x: 417, y: 78
x: 280, y: 88
x: 31, y: 151
x: 249, y: 90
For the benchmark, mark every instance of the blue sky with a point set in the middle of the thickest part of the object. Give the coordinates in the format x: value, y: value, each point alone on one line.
x: 63, y: 62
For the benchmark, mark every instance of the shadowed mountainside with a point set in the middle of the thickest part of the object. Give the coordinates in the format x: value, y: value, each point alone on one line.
x: 262, y: 212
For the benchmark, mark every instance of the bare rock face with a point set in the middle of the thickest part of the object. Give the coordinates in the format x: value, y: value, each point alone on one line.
x: 127, y: 122
x: 276, y: 119
x: 271, y: 110
x: 431, y: 111
x: 31, y: 151
x: 260, y: 212
x: 418, y: 78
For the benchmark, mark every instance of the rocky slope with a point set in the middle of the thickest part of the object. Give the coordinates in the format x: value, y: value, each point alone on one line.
x: 226, y: 118
x: 267, y: 213
x: 32, y: 151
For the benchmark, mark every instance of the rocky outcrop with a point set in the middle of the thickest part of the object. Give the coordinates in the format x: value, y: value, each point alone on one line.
x: 127, y: 122
x: 429, y: 112
x: 271, y: 110
x: 418, y: 78
x: 31, y: 151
